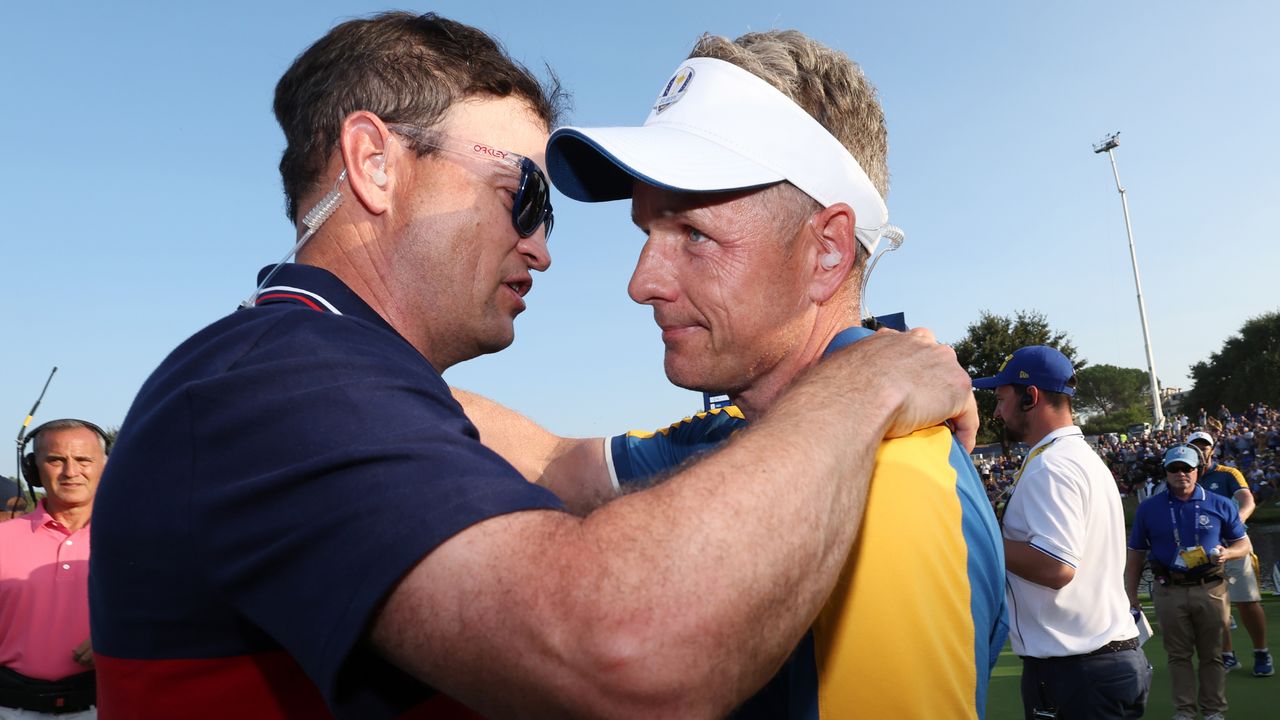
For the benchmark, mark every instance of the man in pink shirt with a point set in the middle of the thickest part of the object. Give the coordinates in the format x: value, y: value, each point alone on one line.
x: 46, y: 661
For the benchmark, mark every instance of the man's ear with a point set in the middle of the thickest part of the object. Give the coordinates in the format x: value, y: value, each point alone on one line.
x: 364, y: 142
x: 834, y: 248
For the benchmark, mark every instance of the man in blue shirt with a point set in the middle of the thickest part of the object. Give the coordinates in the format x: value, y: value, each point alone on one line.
x: 1190, y: 534
x: 1242, y: 575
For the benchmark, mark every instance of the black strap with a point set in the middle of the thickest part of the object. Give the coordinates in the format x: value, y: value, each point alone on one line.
x: 70, y: 694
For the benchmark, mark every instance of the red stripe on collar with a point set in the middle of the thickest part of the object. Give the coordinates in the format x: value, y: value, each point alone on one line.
x: 289, y: 297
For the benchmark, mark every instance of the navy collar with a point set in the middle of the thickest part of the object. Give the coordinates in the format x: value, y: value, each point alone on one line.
x: 317, y: 289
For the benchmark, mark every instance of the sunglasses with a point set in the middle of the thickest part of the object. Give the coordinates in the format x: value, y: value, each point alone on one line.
x: 531, y: 205
x: 1179, y: 468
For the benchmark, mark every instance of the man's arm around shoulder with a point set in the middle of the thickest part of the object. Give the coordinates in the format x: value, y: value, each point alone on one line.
x: 572, y: 468
x: 683, y: 599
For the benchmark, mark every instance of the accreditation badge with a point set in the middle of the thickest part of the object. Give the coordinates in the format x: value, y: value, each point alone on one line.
x: 1192, y: 557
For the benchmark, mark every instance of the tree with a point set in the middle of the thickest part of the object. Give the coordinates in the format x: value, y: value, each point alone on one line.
x: 993, y: 338
x: 1245, y: 370
x: 1110, y: 390
x: 1118, y: 421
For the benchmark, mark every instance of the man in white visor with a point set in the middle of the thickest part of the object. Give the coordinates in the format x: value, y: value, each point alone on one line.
x: 758, y: 180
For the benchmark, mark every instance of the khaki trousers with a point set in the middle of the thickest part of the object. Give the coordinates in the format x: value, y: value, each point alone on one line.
x: 1191, y: 618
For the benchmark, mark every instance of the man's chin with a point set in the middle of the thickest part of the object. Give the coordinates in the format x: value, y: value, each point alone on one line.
x: 494, y: 342
x: 1010, y: 436
x: 689, y: 378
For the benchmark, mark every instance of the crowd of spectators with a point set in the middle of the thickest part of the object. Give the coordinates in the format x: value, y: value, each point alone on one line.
x: 1248, y: 441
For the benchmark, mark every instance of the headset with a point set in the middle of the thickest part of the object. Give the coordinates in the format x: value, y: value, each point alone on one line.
x: 1200, y: 469
x: 1027, y: 401
x: 30, y: 472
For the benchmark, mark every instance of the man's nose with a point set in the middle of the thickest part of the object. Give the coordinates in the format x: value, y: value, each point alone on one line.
x: 654, y: 277
x: 535, y: 249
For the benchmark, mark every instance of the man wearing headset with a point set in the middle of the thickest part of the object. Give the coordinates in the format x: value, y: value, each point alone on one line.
x: 46, y: 659
x: 1064, y: 552
x: 1190, y: 534
x: 381, y: 560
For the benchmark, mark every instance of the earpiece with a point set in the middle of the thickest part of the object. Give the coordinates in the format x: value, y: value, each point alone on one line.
x: 830, y: 260
x: 1027, y: 401
x: 379, y: 174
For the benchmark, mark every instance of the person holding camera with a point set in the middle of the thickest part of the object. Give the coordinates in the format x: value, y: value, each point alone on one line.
x: 1189, y: 534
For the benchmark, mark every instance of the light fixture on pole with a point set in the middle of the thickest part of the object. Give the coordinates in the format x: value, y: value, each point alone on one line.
x: 1108, y: 146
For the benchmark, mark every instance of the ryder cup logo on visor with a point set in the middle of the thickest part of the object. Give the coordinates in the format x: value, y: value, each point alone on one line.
x: 674, y: 89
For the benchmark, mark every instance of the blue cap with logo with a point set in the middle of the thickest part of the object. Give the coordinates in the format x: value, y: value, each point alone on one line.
x: 1038, y: 365
x: 1182, y: 454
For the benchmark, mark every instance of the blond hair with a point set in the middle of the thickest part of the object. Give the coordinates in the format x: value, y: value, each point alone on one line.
x: 825, y: 82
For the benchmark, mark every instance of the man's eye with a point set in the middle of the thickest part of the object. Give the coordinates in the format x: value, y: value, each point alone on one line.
x: 696, y: 235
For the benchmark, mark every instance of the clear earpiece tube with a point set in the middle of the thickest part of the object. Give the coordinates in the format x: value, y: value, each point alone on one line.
x: 314, y: 218
x: 895, y: 237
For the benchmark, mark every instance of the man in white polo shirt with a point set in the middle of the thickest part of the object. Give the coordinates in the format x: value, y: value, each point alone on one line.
x: 1064, y: 547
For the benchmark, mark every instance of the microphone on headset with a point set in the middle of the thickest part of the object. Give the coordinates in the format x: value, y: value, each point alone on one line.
x: 895, y: 237
x: 22, y: 438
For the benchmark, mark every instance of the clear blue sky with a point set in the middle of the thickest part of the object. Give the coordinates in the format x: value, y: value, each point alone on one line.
x: 140, y: 191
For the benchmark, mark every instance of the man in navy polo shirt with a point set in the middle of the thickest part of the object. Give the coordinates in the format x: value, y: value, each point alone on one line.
x: 299, y: 520
x: 1190, y: 534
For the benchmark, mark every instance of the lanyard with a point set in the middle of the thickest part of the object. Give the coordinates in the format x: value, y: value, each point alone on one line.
x: 1177, y: 536
x: 1025, y: 462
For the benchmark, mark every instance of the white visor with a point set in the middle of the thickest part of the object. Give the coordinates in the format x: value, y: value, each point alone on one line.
x: 716, y: 127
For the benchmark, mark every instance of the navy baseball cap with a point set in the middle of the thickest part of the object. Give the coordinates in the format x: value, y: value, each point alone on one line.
x: 1038, y: 365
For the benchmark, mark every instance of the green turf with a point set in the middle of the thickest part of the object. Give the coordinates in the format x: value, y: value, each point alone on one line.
x: 1250, y: 698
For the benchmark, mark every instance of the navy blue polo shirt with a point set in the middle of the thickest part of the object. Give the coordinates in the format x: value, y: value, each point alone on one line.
x: 1204, y: 518
x: 276, y: 477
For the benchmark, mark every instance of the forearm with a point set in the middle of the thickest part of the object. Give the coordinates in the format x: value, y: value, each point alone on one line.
x: 681, y: 600
x: 1032, y: 565
x: 1134, y: 560
x: 572, y: 468
x: 1238, y: 549
x: 740, y: 580
x: 678, y: 601
x: 1247, y: 504
x: 519, y: 440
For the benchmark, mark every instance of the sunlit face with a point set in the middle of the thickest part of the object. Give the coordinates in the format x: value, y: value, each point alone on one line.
x: 727, y: 291
x: 70, y: 462
x: 1010, y: 412
x: 458, y: 270
x: 1180, y: 478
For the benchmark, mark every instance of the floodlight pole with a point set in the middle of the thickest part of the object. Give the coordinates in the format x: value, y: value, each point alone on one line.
x: 1108, y: 145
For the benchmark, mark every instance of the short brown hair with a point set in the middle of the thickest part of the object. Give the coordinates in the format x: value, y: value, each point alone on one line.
x: 825, y: 82
x: 402, y: 67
